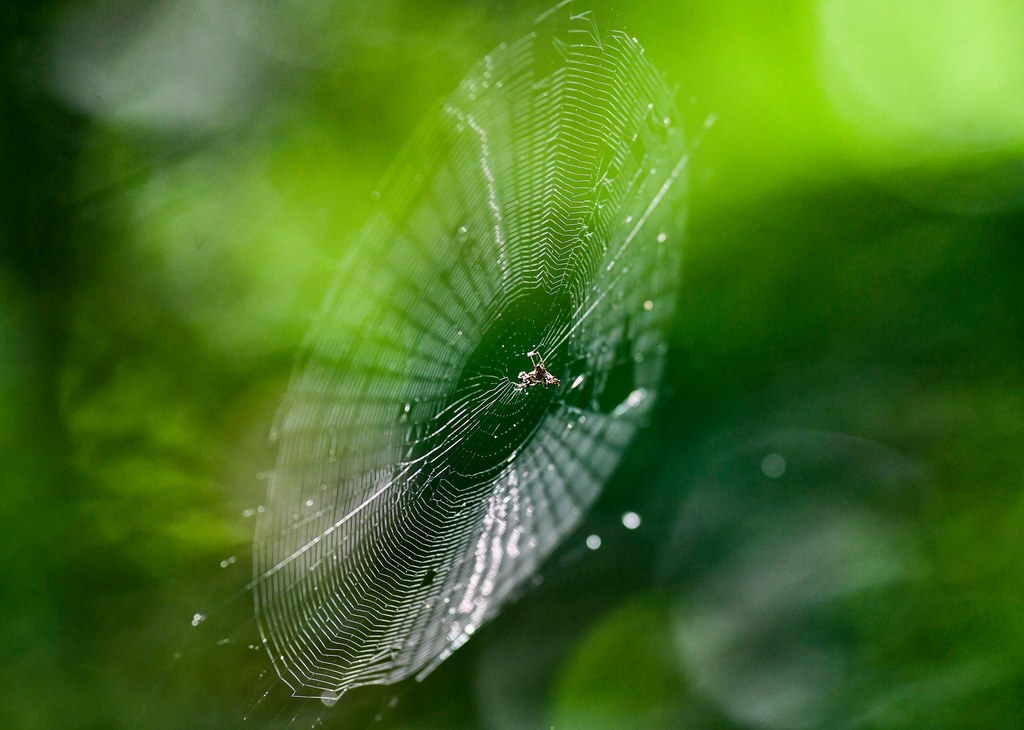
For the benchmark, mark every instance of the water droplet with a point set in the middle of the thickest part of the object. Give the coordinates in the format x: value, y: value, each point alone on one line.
x: 648, y: 305
x: 248, y: 512
x: 228, y: 561
x: 578, y: 381
x: 593, y: 542
x: 330, y: 697
x: 198, y: 618
x: 773, y: 466
x: 634, y: 399
x: 375, y: 195
x: 662, y: 238
x: 630, y: 520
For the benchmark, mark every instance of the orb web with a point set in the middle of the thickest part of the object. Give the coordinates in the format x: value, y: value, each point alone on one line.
x: 416, y: 488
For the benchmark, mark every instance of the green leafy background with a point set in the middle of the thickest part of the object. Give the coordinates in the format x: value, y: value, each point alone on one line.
x: 178, y: 179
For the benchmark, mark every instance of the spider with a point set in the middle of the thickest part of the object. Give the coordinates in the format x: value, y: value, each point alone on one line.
x: 538, y: 376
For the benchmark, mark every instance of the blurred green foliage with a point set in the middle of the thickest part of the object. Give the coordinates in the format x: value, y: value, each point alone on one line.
x: 178, y: 180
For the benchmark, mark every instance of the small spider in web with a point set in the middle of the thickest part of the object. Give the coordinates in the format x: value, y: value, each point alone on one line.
x: 538, y: 376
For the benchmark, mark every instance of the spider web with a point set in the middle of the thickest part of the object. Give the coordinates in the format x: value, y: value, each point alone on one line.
x: 415, y: 487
